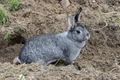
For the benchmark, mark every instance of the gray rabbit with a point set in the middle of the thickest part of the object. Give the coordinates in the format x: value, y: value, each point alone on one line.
x: 47, y: 48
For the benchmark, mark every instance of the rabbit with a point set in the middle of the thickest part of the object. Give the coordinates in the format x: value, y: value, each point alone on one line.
x: 47, y: 48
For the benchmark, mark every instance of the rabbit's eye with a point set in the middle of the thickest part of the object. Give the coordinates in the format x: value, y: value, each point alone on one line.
x: 78, y: 32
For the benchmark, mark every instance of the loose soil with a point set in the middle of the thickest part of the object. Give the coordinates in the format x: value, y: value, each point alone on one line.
x: 98, y: 60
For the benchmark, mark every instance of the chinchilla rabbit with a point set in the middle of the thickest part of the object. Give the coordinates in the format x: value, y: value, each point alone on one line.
x: 66, y: 46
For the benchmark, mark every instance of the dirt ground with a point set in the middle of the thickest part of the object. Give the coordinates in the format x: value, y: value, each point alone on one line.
x: 98, y: 60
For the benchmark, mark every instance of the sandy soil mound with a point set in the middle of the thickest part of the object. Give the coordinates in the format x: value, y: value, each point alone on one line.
x: 99, y: 59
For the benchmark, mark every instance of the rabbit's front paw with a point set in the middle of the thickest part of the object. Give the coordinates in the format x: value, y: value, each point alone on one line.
x: 68, y: 62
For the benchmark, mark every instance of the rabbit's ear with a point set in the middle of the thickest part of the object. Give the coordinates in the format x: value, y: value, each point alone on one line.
x: 71, y: 22
x: 77, y: 16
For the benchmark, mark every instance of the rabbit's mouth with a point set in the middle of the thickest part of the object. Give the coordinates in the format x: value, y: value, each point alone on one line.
x: 86, y: 37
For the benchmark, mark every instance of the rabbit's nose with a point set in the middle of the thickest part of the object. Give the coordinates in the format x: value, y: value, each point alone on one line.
x: 87, y: 34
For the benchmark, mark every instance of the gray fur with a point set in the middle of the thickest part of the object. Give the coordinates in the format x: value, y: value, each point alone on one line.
x: 47, y: 48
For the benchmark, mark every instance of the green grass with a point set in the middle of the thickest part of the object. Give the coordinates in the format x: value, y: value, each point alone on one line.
x: 100, y: 12
x: 8, y: 35
x: 12, y: 5
x: 12, y: 33
x: 58, y: 60
x: 119, y: 21
x: 22, y: 75
x: 3, y: 17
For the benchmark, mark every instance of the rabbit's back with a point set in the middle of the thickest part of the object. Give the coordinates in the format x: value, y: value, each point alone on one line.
x: 40, y: 48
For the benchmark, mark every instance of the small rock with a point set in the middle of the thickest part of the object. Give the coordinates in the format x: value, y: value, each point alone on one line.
x: 76, y: 73
x: 65, y: 3
x: 93, y: 1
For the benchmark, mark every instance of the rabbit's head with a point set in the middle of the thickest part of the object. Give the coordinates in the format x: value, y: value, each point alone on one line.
x: 77, y: 31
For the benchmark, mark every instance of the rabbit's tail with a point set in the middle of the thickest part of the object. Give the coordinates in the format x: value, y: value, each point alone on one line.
x: 16, y: 60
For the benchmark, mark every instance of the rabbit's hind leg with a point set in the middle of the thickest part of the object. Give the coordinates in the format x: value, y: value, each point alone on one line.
x: 46, y: 62
x: 49, y: 61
